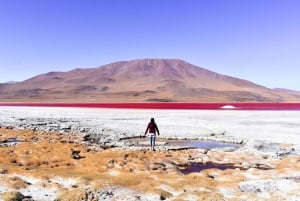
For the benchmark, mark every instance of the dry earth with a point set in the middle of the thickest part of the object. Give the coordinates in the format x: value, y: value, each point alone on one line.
x: 54, y: 166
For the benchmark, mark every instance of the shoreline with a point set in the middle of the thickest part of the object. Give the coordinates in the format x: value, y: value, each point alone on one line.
x: 164, y: 105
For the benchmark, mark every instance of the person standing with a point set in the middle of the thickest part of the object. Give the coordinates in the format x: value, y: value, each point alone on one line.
x: 152, y: 128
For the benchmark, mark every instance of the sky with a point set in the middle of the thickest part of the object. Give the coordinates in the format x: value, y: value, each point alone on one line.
x: 256, y: 40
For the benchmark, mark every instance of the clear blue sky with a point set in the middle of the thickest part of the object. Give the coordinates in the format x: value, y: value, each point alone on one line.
x: 257, y: 40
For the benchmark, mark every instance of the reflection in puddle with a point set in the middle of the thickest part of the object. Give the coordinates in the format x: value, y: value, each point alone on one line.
x: 201, y: 144
x: 193, y: 144
x: 9, y: 141
x: 199, y: 167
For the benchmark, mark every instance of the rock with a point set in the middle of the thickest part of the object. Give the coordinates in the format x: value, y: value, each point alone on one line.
x: 156, y: 166
x: 267, y: 185
x: 205, y: 159
x: 86, y: 137
x: 276, y: 149
x: 120, y: 193
x: 245, y: 165
x: 12, y: 196
x: 4, y: 141
x: 263, y: 166
x: 213, y: 174
x: 84, y: 129
x: 111, y: 164
x: 75, y: 154
x: 3, y: 171
x: 164, y: 194
x: 65, y: 127
x: 74, y: 194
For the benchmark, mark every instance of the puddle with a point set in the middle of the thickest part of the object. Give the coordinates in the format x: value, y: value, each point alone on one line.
x: 199, y: 167
x: 192, y: 144
x: 200, y: 144
x: 9, y: 141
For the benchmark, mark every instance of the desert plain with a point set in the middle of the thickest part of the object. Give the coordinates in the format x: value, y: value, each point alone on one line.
x: 97, y: 154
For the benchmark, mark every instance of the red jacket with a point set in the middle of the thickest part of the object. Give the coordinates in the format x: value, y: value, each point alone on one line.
x: 152, y: 127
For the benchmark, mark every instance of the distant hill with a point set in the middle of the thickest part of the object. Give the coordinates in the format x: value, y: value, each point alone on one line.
x: 288, y: 91
x: 146, y: 80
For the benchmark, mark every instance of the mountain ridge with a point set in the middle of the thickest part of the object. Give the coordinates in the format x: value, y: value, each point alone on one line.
x: 143, y: 80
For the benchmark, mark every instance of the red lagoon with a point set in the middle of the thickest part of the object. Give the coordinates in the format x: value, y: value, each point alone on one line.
x: 164, y: 105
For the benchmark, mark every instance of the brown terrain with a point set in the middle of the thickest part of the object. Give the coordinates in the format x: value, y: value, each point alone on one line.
x: 45, y: 156
x: 147, y: 80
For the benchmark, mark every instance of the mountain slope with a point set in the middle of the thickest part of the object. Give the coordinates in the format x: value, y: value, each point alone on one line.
x: 140, y: 81
x: 288, y: 91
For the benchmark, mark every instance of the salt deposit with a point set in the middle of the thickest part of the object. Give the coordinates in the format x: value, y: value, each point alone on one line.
x: 228, y: 107
x: 273, y: 126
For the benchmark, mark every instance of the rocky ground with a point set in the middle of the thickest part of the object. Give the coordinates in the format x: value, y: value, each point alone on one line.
x: 45, y: 158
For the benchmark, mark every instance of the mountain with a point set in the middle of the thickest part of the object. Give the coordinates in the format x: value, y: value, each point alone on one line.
x: 288, y: 91
x: 146, y: 80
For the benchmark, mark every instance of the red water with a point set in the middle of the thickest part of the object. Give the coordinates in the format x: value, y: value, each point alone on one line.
x: 199, y: 167
x: 191, y: 106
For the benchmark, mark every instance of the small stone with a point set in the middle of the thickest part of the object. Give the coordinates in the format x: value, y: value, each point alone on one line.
x: 164, y: 194
x: 3, y: 171
x: 245, y: 165
x: 75, y: 154
x: 12, y: 196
